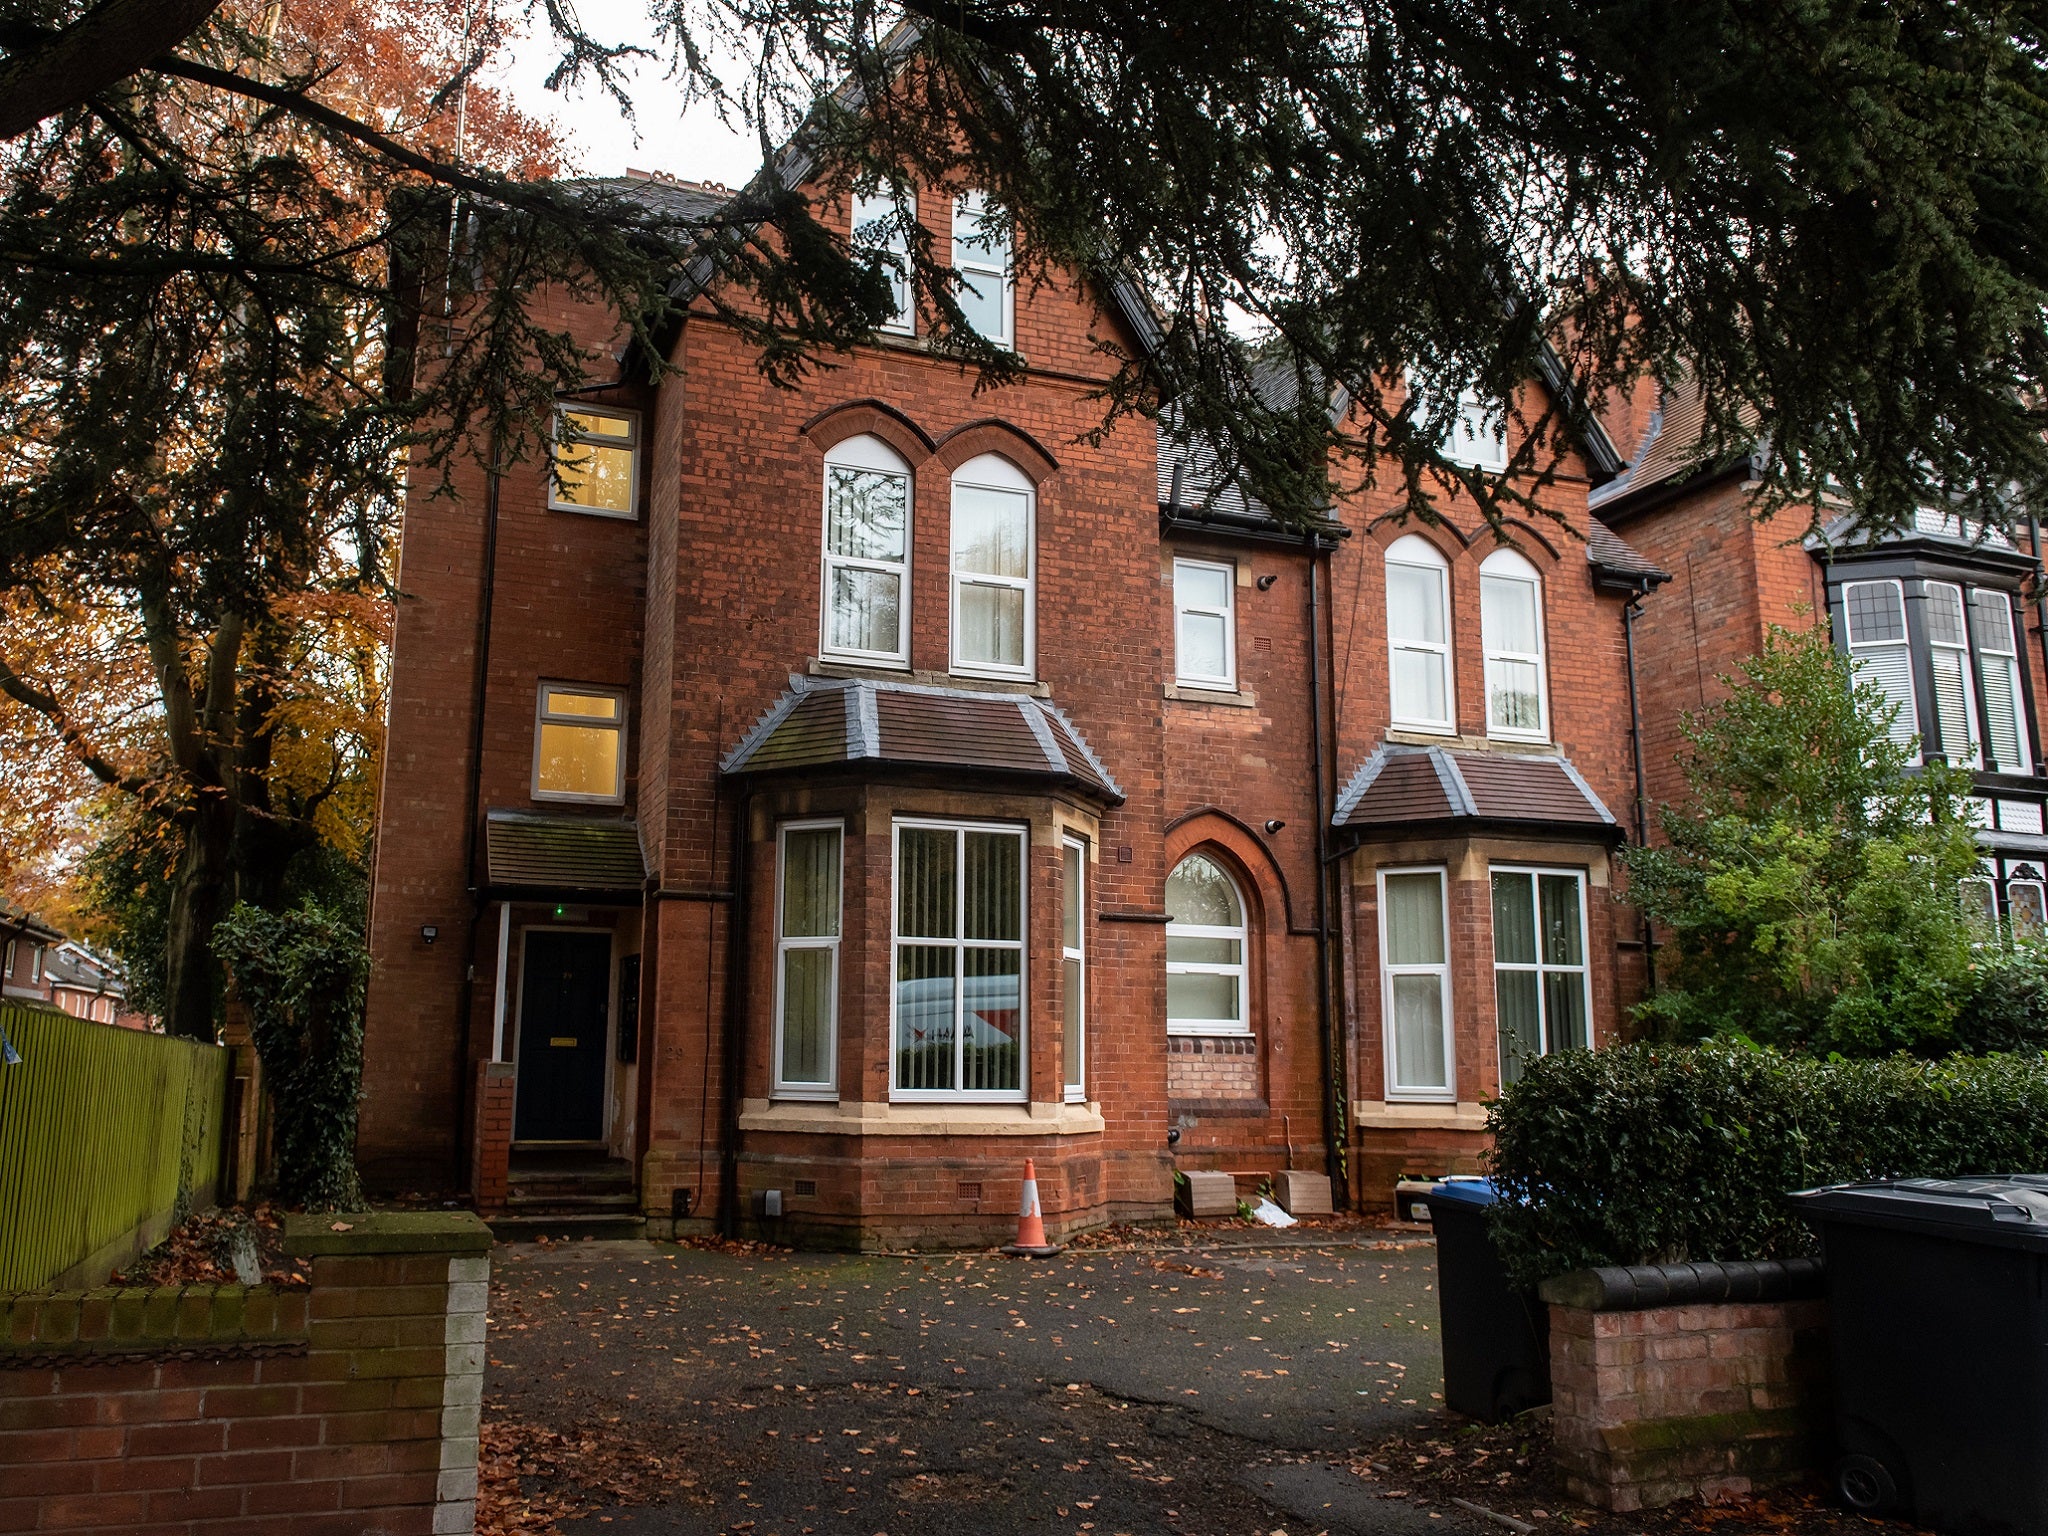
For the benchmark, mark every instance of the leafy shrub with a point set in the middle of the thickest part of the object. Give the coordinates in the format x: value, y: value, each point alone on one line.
x: 2008, y: 1007
x: 1650, y: 1154
x: 302, y: 975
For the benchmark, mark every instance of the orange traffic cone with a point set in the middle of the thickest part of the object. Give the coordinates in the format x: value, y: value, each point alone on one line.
x: 1031, y: 1243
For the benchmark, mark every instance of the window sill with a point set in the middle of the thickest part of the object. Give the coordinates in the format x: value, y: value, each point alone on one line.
x: 1208, y: 1032
x: 1423, y: 735
x: 811, y: 1119
x: 1195, y: 693
x: 1378, y: 1115
x: 610, y: 517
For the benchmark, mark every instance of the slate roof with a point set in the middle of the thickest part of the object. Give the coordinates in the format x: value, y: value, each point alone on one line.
x: 1418, y: 789
x: 664, y: 194
x: 529, y: 851
x: 825, y: 722
x: 1614, y: 558
x: 1669, y: 448
x: 21, y: 920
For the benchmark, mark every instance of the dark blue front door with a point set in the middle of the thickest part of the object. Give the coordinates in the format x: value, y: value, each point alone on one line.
x: 564, y: 990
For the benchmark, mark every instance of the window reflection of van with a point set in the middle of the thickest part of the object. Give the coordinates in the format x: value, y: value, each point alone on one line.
x: 993, y: 1016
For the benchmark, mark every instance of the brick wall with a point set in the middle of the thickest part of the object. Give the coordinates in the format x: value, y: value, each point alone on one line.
x: 347, y: 1408
x: 1703, y: 1399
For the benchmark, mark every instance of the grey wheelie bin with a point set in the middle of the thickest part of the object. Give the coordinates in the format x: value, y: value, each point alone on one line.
x: 1495, y: 1339
x: 1938, y: 1318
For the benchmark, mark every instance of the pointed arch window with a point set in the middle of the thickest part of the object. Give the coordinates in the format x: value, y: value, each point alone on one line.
x: 1419, y: 635
x: 1206, y: 939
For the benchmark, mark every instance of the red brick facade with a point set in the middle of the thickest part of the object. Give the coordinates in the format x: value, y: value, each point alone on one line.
x: 703, y: 611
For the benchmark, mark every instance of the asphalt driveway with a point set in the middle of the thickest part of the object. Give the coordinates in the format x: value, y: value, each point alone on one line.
x: 777, y: 1394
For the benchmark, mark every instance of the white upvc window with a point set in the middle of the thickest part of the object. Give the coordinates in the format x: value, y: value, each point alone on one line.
x: 981, y: 255
x: 1478, y: 434
x: 1074, y: 968
x: 1880, y: 650
x: 1205, y: 623
x: 994, y: 568
x: 808, y: 880
x: 957, y: 1003
x: 1998, y: 668
x: 596, y: 462
x: 881, y: 232
x: 866, y: 603
x: 1955, y: 692
x: 1415, y: 984
x: 579, y: 744
x: 1511, y: 625
x: 1206, y: 940
x: 1419, y: 635
x: 1542, y: 1001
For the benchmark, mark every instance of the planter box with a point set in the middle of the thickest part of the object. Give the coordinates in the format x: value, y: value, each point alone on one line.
x: 1206, y: 1194
x: 1304, y: 1194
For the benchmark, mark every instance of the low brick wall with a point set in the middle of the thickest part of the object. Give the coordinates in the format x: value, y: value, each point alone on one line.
x: 345, y: 1408
x: 1684, y: 1381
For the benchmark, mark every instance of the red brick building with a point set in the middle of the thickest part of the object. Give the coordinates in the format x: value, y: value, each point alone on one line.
x: 1944, y: 617
x: 819, y: 802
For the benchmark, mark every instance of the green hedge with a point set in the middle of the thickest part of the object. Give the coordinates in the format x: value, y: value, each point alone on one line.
x: 1662, y: 1154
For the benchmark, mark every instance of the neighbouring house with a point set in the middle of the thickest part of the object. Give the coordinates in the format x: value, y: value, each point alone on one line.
x: 816, y: 802
x: 26, y: 942
x: 1944, y: 617
x: 87, y: 985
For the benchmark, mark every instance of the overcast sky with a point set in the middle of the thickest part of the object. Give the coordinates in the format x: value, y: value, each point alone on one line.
x: 597, y: 140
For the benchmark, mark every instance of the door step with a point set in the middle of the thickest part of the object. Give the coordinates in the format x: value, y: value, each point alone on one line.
x: 515, y: 1227
x: 525, y: 1202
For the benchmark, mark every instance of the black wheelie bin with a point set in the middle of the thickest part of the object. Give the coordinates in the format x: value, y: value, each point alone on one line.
x: 1495, y: 1339
x: 1938, y: 1319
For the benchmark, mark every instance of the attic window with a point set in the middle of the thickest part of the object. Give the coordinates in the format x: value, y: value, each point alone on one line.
x: 881, y: 233
x: 981, y: 255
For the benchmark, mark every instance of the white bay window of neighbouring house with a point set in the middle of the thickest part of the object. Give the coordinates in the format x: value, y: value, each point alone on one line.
x: 958, y: 1002
x: 867, y: 553
x: 1415, y: 987
x: 1205, y: 647
x: 1998, y: 668
x: 1880, y: 650
x: 1955, y: 689
x: 1206, y: 936
x: 596, y: 454
x: 807, y: 959
x: 1511, y: 624
x: 1419, y: 635
x: 1539, y: 965
x: 993, y: 568
x: 579, y: 740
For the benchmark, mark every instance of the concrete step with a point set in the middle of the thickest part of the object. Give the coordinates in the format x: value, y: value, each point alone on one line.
x: 525, y: 1228
x: 522, y: 1199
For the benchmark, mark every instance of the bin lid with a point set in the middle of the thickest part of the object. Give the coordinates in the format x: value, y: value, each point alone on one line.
x: 2007, y: 1210
x: 1464, y: 1190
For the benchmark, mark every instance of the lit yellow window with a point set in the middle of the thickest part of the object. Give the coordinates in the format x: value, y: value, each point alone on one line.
x: 579, y: 753
x: 596, y: 458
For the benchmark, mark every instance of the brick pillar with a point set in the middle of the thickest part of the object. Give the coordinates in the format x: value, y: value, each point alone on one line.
x: 491, y: 1161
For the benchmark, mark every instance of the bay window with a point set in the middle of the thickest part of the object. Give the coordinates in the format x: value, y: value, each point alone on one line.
x: 1074, y: 967
x: 1511, y: 625
x: 1955, y: 693
x: 958, y: 999
x: 1419, y: 635
x: 1998, y: 674
x: 807, y: 928
x: 866, y: 602
x: 994, y: 507
x: 1415, y: 983
x: 1881, y: 651
x: 1539, y: 965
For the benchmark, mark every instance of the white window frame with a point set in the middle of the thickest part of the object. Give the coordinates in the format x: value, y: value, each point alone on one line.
x: 1473, y: 440
x: 1507, y: 565
x: 2007, y: 662
x: 784, y: 1089
x: 872, y: 455
x: 1074, y: 897
x: 967, y: 212
x: 960, y: 944
x: 1972, y: 753
x: 870, y: 209
x: 1398, y: 1092
x: 1226, y: 681
x: 993, y: 472
x: 1241, y: 1026
x: 631, y: 444
x: 542, y: 717
x: 1906, y: 728
x: 1542, y: 968
x: 1416, y: 553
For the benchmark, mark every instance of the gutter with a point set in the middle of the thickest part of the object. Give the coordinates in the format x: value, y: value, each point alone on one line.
x: 1334, y: 1139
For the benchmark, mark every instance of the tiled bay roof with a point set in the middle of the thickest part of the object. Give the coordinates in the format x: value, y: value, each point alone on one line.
x: 1410, y: 788
x: 529, y: 851
x: 826, y: 721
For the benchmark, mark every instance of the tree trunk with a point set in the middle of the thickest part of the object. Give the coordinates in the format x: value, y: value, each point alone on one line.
x: 199, y: 893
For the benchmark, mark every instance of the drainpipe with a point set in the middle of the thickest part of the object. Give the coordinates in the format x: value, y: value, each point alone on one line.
x: 1333, y: 1068
x: 735, y: 1025
x: 472, y: 805
x: 1629, y: 614
x: 2040, y: 590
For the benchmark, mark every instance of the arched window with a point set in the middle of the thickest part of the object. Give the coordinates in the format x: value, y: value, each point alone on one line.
x: 866, y: 605
x: 994, y: 507
x: 1205, y: 951
x: 1511, y: 622
x: 1419, y: 635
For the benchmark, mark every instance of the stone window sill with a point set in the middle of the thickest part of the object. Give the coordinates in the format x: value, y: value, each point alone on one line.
x: 813, y: 1119
x: 1375, y: 1115
x: 1243, y: 698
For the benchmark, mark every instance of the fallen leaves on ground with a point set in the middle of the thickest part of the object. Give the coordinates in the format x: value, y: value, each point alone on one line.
x: 529, y: 1477
x: 201, y: 1250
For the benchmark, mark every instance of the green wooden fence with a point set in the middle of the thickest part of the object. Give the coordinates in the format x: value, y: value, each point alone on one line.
x: 107, y: 1136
